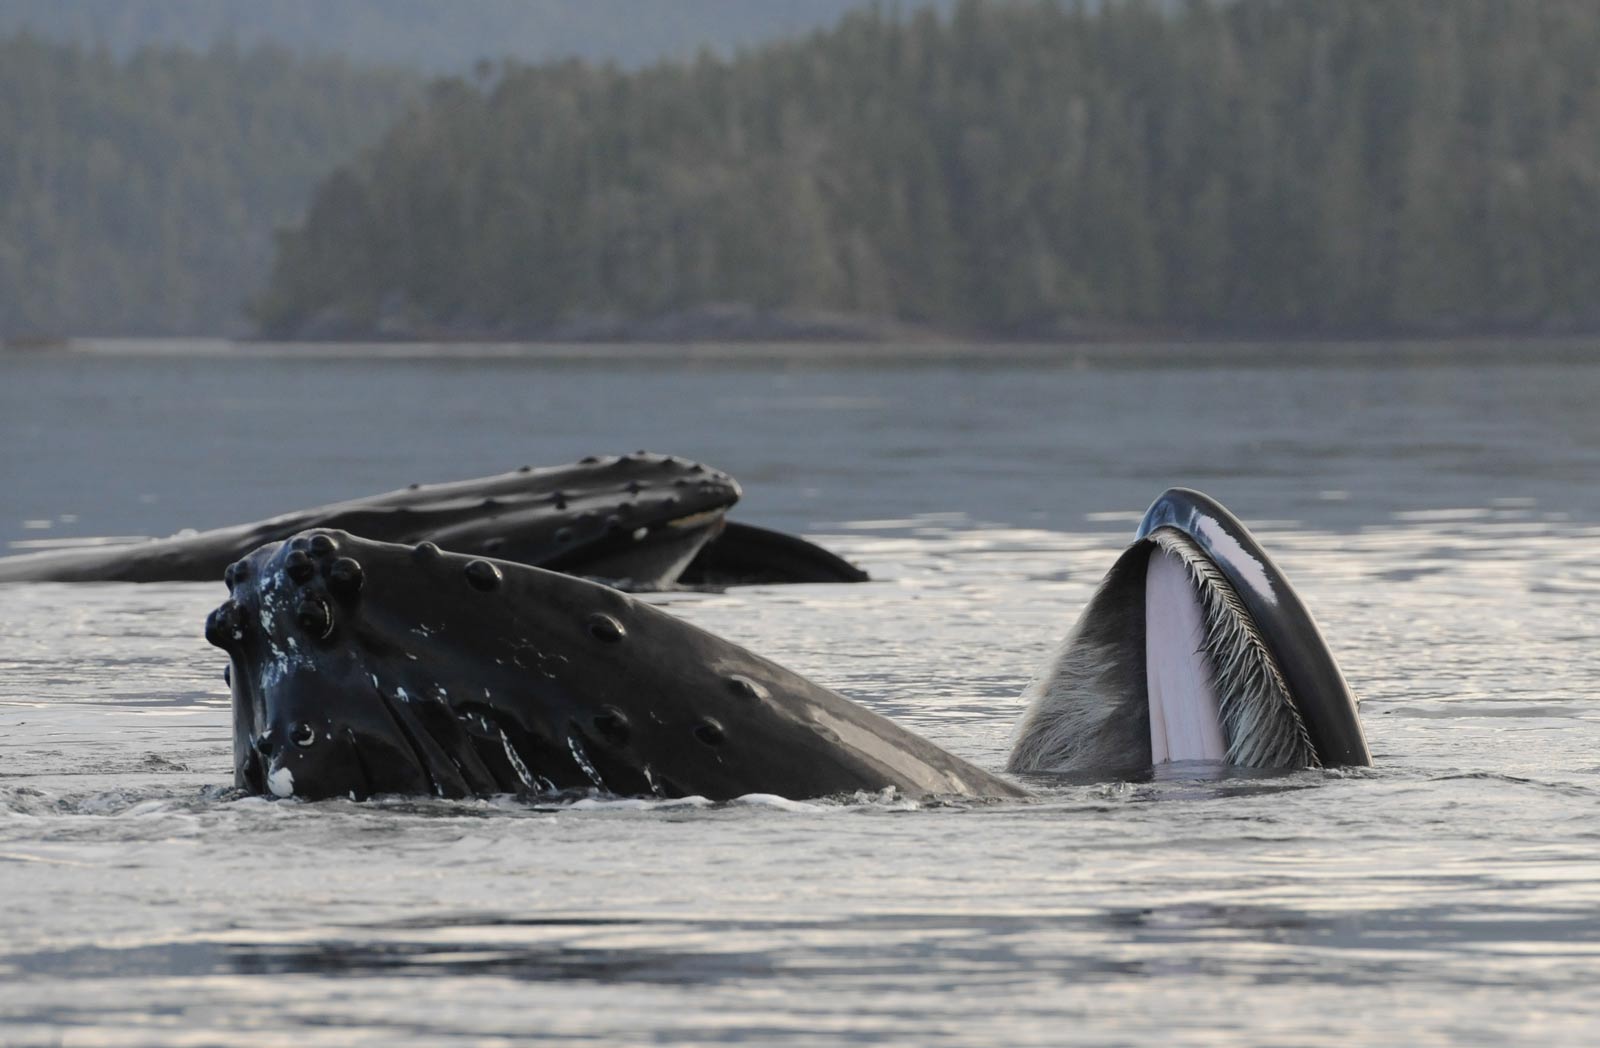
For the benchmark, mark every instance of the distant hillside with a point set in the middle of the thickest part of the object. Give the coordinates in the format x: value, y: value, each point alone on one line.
x: 434, y: 35
x: 1264, y: 165
x: 140, y: 196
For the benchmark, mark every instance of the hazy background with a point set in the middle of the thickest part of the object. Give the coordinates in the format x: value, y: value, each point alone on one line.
x: 149, y: 148
x: 437, y: 36
x: 798, y: 168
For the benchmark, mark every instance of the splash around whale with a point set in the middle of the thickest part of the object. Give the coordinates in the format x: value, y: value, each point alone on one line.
x: 361, y: 668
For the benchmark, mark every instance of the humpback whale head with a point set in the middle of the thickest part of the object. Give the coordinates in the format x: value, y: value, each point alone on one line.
x: 638, y: 518
x: 361, y: 667
x: 1194, y: 648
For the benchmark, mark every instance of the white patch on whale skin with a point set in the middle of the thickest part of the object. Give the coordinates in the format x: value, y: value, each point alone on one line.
x: 1227, y: 547
x: 281, y: 663
x: 516, y: 760
x: 281, y: 782
x: 537, y: 783
x: 1185, y: 713
x: 582, y: 758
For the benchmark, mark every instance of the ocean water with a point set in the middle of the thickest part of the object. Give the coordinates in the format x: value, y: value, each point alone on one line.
x: 1437, y: 507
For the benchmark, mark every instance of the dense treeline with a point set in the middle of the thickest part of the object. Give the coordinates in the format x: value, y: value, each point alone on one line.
x: 436, y: 35
x: 1365, y: 165
x: 140, y: 196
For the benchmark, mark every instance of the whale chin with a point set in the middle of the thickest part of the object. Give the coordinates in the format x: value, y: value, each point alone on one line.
x: 1193, y: 649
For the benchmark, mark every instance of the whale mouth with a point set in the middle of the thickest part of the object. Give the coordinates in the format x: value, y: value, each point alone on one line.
x: 1213, y: 688
x: 1164, y: 666
x: 1180, y: 666
x: 696, y: 520
x: 1194, y: 650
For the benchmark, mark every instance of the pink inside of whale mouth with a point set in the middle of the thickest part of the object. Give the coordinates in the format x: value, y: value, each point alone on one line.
x: 1185, y: 713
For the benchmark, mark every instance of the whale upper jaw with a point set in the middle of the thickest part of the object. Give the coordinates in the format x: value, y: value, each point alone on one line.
x: 1256, y: 656
x: 361, y: 668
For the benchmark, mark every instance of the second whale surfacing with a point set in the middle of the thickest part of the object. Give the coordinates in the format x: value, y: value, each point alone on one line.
x: 361, y: 668
x: 639, y: 522
x: 639, y: 519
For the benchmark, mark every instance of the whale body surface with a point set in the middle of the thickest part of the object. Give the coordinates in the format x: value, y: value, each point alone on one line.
x: 1252, y: 655
x: 641, y: 517
x: 641, y: 522
x: 360, y: 668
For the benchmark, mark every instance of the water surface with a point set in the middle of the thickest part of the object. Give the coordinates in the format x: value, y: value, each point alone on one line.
x: 1437, y: 514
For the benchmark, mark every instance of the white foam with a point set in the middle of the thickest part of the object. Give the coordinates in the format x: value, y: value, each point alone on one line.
x: 772, y: 800
x: 1185, y: 723
x: 612, y: 804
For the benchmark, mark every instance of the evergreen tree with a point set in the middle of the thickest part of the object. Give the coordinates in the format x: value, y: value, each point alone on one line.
x: 140, y: 196
x: 1259, y: 165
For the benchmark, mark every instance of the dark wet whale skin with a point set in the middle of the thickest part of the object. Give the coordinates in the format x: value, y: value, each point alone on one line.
x: 580, y: 518
x: 1320, y: 692
x: 745, y: 555
x: 361, y: 668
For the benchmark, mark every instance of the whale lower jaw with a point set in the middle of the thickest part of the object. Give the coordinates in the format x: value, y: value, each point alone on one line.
x: 1136, y: 684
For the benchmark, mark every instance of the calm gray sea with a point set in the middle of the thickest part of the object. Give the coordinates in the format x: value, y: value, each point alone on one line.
x: 1437, y: 506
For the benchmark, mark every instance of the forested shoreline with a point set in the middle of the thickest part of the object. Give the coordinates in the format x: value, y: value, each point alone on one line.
x: 999, y: 169
x: 1362, y: 167
x: 139, y: 196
